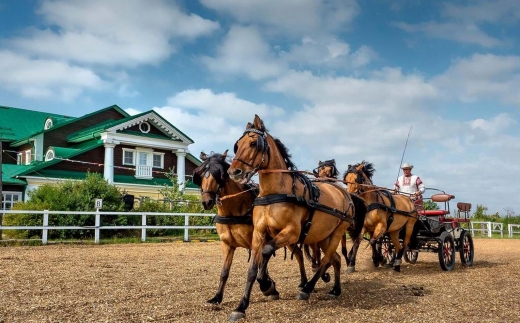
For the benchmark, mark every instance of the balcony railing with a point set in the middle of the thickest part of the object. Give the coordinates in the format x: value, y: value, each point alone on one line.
x: 143, y: 171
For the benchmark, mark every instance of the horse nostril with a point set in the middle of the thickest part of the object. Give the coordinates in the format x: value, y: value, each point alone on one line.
x: 234, y: 171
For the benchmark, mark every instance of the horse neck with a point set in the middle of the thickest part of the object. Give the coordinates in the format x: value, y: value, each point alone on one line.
x: 370, y: 194
x: 271, y: 183
x: 237, y: 205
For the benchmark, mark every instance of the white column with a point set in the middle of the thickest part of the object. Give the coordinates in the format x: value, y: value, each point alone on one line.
x: 109, y: 162
x: 181, y: 168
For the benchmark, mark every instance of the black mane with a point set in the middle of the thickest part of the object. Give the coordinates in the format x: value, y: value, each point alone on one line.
x: 331, y: 162
x: 368, y: 169
x: 217, y: 166
x: 285, y: 154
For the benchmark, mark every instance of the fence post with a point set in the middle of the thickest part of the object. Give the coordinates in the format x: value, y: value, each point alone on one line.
x: 143, y: 230
x: 97, y: 225
x: 489, y: 229
x: 45, y: 231
x: 186, y: 223
x: 509, y: 230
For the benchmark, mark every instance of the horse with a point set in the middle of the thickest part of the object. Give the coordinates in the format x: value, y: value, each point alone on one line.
x: 290, y: 209
x: 386, y: 213
x: 234, y: 215
x: 327, y: 170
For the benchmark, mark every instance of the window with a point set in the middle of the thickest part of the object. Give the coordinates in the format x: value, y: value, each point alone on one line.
x: 48, y: 124
x: 49, y: 155
x: 9, y: 199
x: 143, y: 158
x: 128, y: 157
x: 18, y: 159
x: 158, y: 160
x: 28, y: 157
x: 144, y: 127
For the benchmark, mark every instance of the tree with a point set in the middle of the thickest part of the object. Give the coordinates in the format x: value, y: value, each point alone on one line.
x: 430, y: 205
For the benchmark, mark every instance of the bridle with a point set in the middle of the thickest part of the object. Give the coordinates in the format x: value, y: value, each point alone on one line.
x: 261, y: 145
x: 362, y: 179
x: 197, y: 180
x: 321, y: 165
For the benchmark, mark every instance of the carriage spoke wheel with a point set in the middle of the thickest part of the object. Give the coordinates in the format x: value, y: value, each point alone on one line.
x: 447, y: 251
x: 467, y: 249
x: 410, y: 256
x: 388, y: 251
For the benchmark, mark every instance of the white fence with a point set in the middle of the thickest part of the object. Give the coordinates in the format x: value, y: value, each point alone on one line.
x: 97, y: 226
x: 513, y: 229
x: 487, y: 228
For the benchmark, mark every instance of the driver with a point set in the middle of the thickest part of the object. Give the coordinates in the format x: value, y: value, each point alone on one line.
x: 411, y: 185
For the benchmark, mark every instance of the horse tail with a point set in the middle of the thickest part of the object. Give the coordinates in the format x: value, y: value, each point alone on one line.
x: 360, y: 211
x: 307, y: 253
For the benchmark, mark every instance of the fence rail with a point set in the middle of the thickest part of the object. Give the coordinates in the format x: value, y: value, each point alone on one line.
x: 97, y: 227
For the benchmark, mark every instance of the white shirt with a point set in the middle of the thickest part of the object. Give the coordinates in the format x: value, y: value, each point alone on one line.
x: 409, y: 184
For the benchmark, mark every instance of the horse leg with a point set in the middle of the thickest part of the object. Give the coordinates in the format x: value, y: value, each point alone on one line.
x: 228, y: 253
x: 406, y: 242
x: 356, y: 241
x: 329, y: 247
x: 299, y: 257
x: 394, y: 236
x: 377, y: 256
x: 267, y: 285
x: 344, y: 251
x: 240, y: 311
x: 315, y: 260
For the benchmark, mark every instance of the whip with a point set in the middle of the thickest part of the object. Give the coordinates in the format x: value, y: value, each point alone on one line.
x: 406, y: 144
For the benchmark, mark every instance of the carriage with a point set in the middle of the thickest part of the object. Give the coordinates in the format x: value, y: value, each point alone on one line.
x: 438, y: 231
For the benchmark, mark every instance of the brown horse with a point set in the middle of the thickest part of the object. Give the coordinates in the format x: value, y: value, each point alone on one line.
x: 385, y: 213
x: 327, y: 170
x: 290, y: 208
x: 234, y: 215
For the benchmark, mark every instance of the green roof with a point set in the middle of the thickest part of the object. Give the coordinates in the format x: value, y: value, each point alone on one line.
x: 9, y: 172
x: 63, y: 153
x: 61, y: 124
x: 12, y: 128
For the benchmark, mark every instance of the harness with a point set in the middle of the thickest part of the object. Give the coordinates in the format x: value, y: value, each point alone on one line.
x: 311, y: 203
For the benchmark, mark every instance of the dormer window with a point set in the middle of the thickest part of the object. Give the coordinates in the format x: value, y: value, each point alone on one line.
x: 144, y: 127
x: 49, y: 155
x: 48, y: 124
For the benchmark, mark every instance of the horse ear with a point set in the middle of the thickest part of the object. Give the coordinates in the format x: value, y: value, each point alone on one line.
x: 258, y: 123
x: 249, y: 125
x: 224, y: 155
x: 360, y: 167
x: 319, y: 163
x: 203, y: 156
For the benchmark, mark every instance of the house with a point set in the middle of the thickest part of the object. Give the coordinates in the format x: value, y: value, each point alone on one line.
x: 132, y: 152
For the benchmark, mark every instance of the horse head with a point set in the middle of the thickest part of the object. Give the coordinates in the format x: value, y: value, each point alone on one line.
x: 358, y: 175
x: 326, y: 169
x: 211, y: 177
x: 250, y: 152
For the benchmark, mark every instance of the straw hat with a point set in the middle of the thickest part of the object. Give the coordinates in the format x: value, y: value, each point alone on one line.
x: 406, y: 166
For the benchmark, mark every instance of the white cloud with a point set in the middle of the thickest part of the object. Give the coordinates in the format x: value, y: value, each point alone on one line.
x: 485, y: 11
x: 482, y: 76
x: 244, y: 52
x: 462, y: 32
x: 40, y: 78
x: 290, y: 17
x: 115, y: 32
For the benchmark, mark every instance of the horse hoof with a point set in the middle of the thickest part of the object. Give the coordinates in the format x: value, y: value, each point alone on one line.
x: 326, y: 277
x: 274, y: 297
x: 235, y: 316
x: 397, y: 269
x: 303, y: 296
x: 351, y: 270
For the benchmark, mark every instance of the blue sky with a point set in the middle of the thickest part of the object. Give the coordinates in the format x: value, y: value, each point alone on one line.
x: 340, y: 79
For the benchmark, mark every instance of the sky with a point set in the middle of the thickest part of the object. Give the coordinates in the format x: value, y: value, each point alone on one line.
x: 340, y: 79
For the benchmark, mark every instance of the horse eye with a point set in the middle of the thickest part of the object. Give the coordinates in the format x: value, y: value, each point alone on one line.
x: 252, y: 144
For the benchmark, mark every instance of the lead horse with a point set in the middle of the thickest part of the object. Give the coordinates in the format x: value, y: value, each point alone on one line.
x: 234, y: 215
x: 385, y: 213
x: 290, y: 209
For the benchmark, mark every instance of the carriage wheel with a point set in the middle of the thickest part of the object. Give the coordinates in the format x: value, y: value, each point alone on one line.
x: 410, y: 256
x: 466, y: 249
x: 447, y: 252
x: 387, y: 251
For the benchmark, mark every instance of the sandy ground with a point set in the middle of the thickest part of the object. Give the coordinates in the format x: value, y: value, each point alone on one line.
x: 170, y: 282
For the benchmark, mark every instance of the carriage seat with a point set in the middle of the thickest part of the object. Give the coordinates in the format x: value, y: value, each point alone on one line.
x: 463, y: 210
x: 442, y: 197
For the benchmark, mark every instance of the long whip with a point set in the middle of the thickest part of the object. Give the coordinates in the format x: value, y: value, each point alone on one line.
x: 406, y: 144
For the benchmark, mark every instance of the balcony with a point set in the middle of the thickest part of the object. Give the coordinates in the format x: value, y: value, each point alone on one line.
x: 143, y: 172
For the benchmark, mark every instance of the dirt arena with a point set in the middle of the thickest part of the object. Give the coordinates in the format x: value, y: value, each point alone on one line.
x: 169, y: 282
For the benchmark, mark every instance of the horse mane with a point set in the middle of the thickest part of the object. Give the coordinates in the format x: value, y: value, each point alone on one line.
x: 333, y: 163
x: 214, y: 163
x: 368, y: 169
x: 284, y: 151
